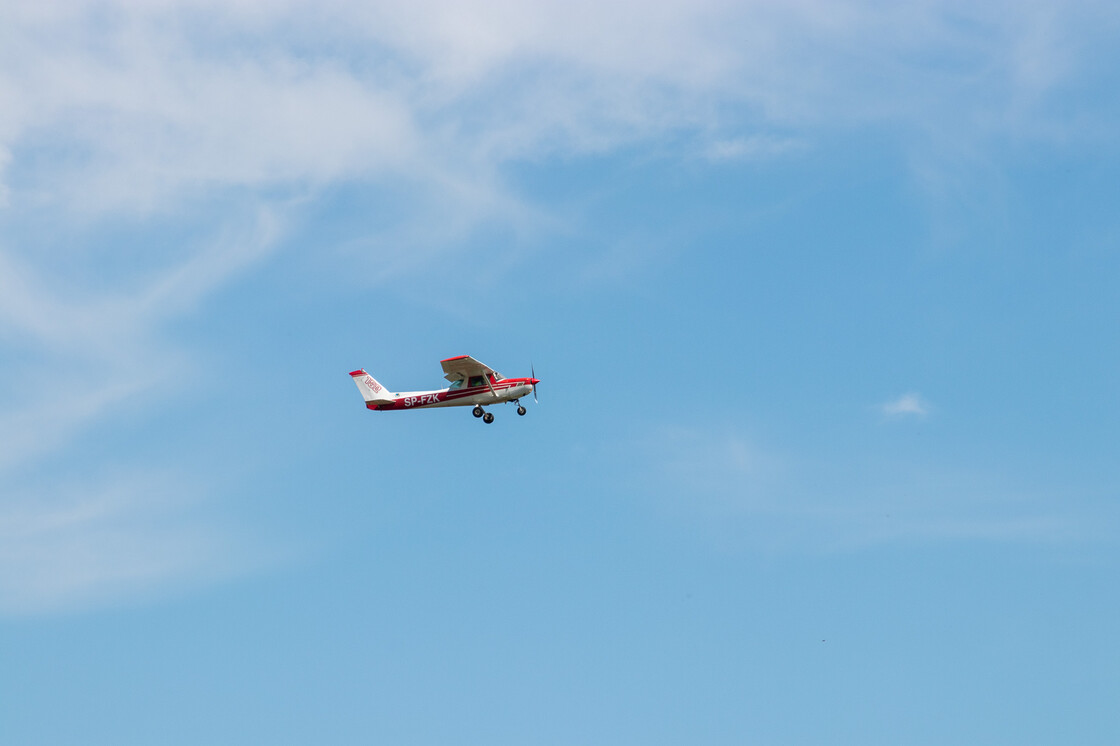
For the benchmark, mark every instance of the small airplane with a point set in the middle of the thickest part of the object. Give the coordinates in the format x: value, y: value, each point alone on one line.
x: 471, y: 383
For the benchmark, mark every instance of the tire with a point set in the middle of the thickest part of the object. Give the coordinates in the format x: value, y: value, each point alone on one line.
x: 521, y: 411
x: 477, y: 411
x: 488, y: 418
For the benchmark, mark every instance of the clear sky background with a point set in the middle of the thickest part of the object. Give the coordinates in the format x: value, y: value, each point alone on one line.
x: 823, y: 297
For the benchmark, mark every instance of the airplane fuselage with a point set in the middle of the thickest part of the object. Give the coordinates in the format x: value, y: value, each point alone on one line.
x: 504, y: 390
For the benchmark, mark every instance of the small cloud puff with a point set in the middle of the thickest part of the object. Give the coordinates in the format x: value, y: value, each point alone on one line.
x: 755, y: 147
x: 907, y: 404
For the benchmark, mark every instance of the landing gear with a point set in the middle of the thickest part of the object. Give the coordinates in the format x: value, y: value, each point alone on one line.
x: 521, y: 410
x: 477, y: 412
x: 488, y: 418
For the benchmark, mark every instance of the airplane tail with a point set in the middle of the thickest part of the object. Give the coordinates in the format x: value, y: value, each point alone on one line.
x: 372, y: 391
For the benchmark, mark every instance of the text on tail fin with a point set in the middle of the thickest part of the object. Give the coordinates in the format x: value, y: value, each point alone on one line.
x: 370, y: 388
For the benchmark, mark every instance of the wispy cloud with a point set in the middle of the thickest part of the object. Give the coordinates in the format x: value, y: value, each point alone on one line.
x: 84, y: 355
x: 119, y: 108
x: 131, y: 105
x: 753, y: 147
x: 218, y: 114
x: 86, y: 350
x: 906, y: 405
x: 65, y: 546
x: 748, y: 496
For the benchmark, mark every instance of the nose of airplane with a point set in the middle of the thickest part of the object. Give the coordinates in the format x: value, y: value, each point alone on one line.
x: 534, y: 381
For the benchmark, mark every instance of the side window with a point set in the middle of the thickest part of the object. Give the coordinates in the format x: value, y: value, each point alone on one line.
x: 457, y: 385
x: 476, y: 381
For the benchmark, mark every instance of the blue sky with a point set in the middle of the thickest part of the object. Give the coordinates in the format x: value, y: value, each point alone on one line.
x: 822, y: 297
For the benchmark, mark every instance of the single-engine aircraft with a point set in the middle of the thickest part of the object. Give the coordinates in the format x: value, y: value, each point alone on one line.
x: 471, y: 383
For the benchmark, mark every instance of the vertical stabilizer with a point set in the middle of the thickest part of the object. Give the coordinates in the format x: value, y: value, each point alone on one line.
x: 372, y: 391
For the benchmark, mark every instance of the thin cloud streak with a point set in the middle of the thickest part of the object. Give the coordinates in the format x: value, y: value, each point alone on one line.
x: 103, y: 342
x: 64, y: 547
x: 906, y: 405
x: 84, y: 359
x: 751, y: 497
x: 756, y: 147
x: 103, y: 322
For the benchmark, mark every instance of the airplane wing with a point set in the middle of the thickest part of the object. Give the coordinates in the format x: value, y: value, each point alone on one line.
x: 465, y: 366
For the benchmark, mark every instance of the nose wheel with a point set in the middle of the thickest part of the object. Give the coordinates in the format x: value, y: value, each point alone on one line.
x: 521, y: 410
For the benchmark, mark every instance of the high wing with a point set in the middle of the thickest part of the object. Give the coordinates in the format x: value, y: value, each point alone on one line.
x: 465, y: 366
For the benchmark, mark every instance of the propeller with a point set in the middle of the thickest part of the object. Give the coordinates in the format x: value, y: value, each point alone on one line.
x: 533, y: 375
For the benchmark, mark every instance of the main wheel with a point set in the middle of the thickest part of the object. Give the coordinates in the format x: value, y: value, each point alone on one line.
x: 521, y: 411
x: 488, y: 418
x: 477, y: 411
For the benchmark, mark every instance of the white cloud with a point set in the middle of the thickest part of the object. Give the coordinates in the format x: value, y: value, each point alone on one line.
x: 162, y: 110
x: 125, y: 106
x: 907, y: 404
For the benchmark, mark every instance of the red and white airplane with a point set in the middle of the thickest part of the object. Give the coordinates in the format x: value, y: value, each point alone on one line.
x: 471, y: 383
